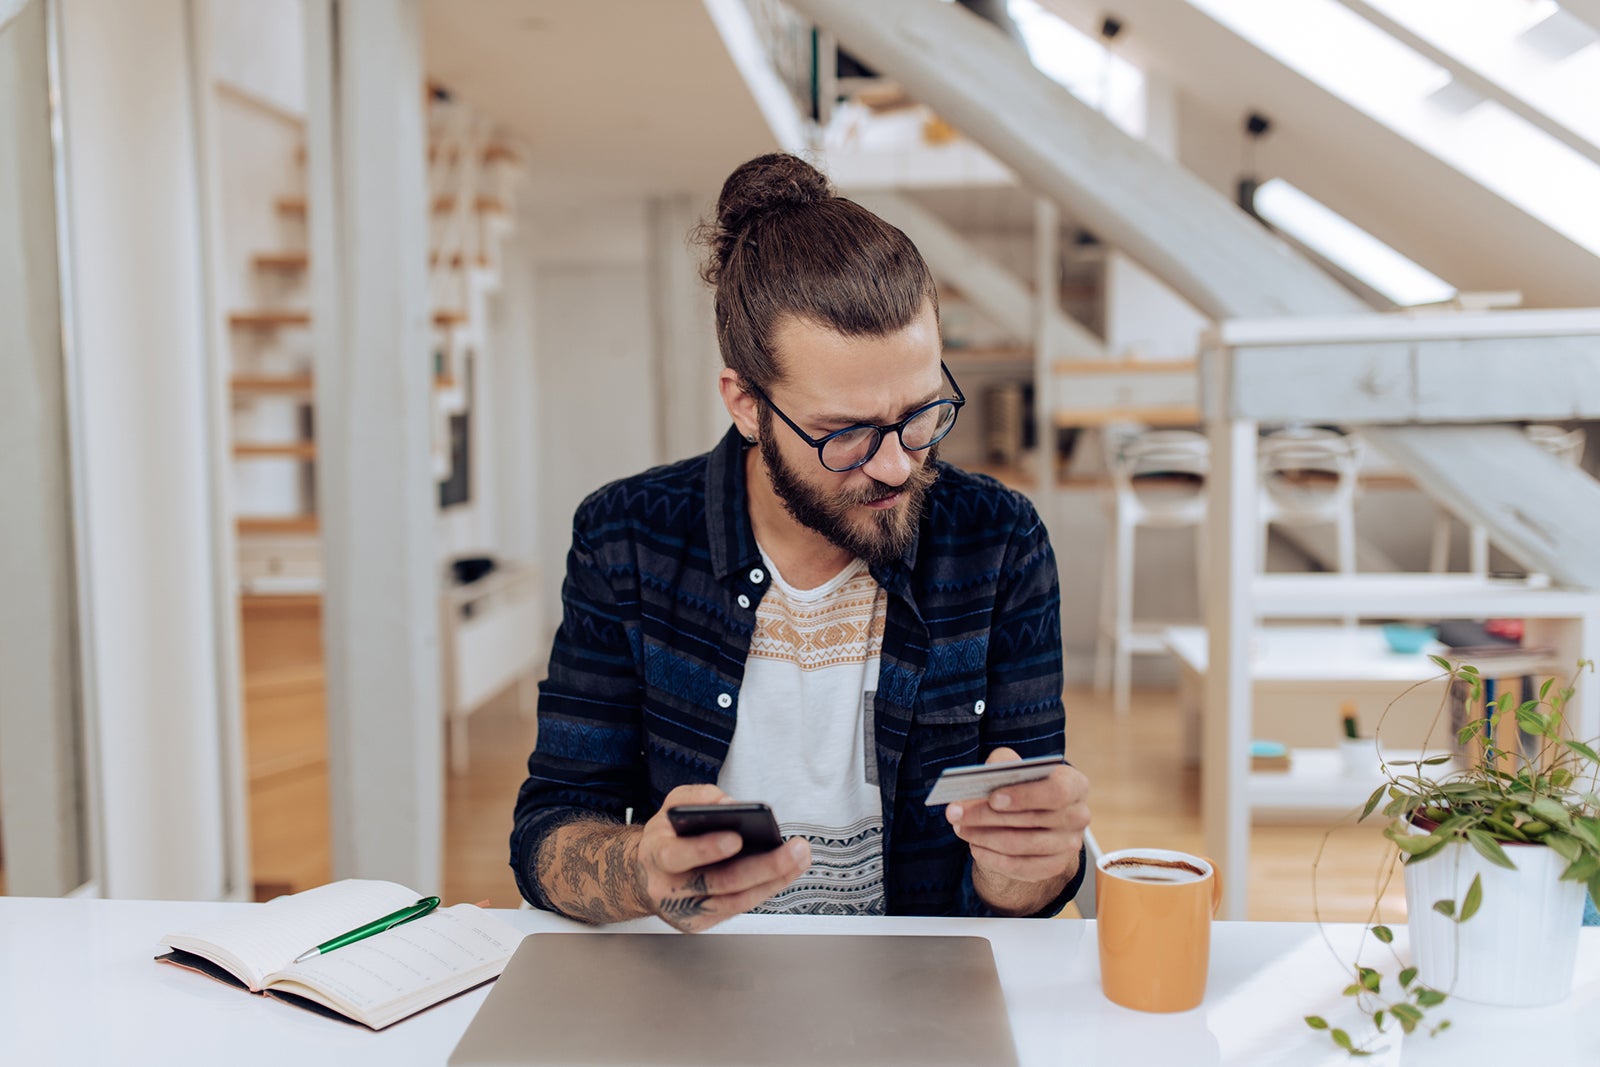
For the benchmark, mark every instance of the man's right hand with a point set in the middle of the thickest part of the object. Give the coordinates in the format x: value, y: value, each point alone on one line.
x: 693, y: 882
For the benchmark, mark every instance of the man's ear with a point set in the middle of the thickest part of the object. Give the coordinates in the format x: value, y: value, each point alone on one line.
x: 740, y: 404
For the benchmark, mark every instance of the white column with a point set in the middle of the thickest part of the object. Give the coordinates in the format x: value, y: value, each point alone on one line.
x: 1230, y: 551
x: 141, y: 376
x: 40, y: 787
x: 376, y: 497
x: 691, y: 417
x: 1046, y: 313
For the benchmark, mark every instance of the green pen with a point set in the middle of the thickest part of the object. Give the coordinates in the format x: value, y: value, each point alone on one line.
x: 376, y: 926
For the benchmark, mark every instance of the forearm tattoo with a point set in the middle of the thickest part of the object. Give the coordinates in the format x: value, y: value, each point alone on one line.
x: 587, y: 871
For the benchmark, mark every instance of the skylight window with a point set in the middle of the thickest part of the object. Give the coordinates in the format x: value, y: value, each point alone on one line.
x: 1348, y: 246
x: 1083, y: 66
x: 1370, y: 70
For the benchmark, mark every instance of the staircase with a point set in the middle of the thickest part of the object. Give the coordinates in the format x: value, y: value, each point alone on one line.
x: 471, y: 176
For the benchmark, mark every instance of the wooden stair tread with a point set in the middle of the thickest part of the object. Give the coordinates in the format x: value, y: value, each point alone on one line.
x: 271, y: 319
x: 276, y: 524
x: 288, y: 384
x: 283, y: 449
x: 264, y: 320
x: 281, y: 260
x: 295, y: 206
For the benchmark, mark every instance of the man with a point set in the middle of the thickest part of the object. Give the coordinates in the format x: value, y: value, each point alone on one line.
x: 817, y: 614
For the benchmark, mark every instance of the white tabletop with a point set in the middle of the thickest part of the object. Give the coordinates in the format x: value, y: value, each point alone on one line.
x: 78, y: 985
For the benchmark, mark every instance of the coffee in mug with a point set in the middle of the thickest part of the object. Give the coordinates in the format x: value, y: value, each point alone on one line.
x: 1153, y: 915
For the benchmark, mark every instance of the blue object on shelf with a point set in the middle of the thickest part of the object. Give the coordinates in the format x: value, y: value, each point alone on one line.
x: 1268, y: 749
x: 1407, y: 639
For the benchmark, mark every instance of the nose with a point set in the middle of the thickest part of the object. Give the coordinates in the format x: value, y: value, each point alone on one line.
x: 891, y: 464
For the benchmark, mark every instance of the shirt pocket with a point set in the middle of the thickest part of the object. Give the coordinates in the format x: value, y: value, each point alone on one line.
x: 946, y: 726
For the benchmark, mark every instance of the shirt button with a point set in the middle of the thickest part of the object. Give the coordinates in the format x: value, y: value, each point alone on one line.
x: 758, y: 575
x: 724, y: 700
x: 744, y: 601
x: 979, y: 708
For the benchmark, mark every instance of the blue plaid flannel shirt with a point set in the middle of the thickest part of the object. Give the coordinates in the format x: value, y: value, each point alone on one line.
x: 643, y: 688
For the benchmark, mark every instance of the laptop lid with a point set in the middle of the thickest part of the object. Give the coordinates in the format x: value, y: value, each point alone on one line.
x: 723, y: 999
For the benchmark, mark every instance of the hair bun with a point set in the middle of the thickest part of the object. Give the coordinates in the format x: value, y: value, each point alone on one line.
x: 765, y: 186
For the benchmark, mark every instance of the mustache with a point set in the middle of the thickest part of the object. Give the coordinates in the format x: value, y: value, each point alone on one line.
x: 920, y: 478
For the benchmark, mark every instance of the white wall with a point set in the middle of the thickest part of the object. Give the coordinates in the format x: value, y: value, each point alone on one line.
x: 140, y: 369
x: 596, y: 413
x: 258, y: 46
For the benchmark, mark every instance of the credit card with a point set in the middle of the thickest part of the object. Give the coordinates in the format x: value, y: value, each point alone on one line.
x: 980, y: 779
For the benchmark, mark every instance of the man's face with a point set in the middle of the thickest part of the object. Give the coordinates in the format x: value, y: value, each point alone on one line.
x: 831, y: 382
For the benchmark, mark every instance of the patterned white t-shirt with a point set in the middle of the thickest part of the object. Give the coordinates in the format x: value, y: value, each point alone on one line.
x: 804, y: 741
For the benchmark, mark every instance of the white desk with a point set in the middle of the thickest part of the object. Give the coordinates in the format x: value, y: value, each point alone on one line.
x: 77, y: 986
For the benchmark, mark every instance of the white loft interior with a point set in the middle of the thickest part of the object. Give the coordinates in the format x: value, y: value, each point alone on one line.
x: 244, y: 457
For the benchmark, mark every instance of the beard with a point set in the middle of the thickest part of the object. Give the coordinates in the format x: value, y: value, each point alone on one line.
x: 884, y: 537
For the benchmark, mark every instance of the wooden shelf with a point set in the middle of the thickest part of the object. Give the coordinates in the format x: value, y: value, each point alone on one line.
x: 268, y: 320
x: 276, y: 524
x: 1180, y: 415
x: 287, y: 385
x: 1125, y: 366
x: 449, y: 318
x: 285, y: 450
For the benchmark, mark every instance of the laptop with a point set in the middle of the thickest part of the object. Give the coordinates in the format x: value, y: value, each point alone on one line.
x: 720, y: 1000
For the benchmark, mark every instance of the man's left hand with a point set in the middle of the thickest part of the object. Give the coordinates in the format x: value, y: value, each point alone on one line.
x: 1025, y: 839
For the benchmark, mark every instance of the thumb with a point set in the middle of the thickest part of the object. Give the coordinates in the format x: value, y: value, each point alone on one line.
x: 1002, y: 755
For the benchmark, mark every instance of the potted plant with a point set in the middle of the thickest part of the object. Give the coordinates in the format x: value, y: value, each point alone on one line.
x: 1497, y: 847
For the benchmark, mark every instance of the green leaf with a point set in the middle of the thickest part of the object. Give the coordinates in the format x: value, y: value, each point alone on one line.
x: 1469, y: 731
x: 1406, y: 1011
x: 1586, y: 868
x: 1469, y: 669
x: 1411, y: 843
x: 1594, y: 888
x: 1544, y: 690
x: 1342, y: 1039
x: 1441, y: 1028
x: 1490, y: 849
x: 1370, y: 979
x: 1533, y: 723
x: 1407, y: 976
x: 1372, y: 801
x: 1377, y: 1019
x: 1447, y: 908
x: 1434, y: 761
x: 1444, y: 664
x: 1430, y: 998
x: 1473, y: 900
x: 1566, y: 847
x: 1584, y: 831
x: 1583, y: 750
x: 1316, y: 1022
x: 1384, y: 934
x: 1352, y: 990
x: 1551, y: 811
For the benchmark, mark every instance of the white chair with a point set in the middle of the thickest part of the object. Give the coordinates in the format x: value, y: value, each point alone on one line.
x: 1157, y: 480
x: 1566, y: 445
x: 1085, y: 900
x: 1308, y: 478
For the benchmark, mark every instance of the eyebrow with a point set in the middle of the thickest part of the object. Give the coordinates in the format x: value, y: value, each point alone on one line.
x: 845, y: 421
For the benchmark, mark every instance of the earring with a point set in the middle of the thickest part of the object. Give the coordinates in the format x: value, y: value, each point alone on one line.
x: 750, y: 438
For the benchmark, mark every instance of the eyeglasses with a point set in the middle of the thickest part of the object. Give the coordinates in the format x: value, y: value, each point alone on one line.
x: 849, y: 448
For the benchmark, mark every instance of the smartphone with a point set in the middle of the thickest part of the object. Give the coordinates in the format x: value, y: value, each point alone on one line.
x: 752, y: 822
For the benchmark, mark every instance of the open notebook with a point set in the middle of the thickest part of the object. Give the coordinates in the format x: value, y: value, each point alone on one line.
x: 376, y: 981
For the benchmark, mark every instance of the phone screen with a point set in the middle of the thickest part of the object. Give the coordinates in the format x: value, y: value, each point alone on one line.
x: 752, y: 822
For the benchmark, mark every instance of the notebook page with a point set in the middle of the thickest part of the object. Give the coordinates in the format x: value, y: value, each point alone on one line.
x: 266, y: 938
x: 409, y: 966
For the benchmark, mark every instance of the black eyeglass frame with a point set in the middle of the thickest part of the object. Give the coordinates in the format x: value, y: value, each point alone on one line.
x: 818, y: 443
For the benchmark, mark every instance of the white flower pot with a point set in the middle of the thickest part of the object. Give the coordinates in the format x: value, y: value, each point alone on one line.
x: 1521, y: 947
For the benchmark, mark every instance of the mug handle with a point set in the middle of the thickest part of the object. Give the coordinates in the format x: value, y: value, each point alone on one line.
x: 1216, y: 884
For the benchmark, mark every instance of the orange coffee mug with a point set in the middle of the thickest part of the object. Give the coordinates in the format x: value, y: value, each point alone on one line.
x: 1153, y: 910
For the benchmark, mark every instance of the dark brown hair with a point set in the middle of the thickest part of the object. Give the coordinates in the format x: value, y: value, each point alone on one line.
x: 783, y: 244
